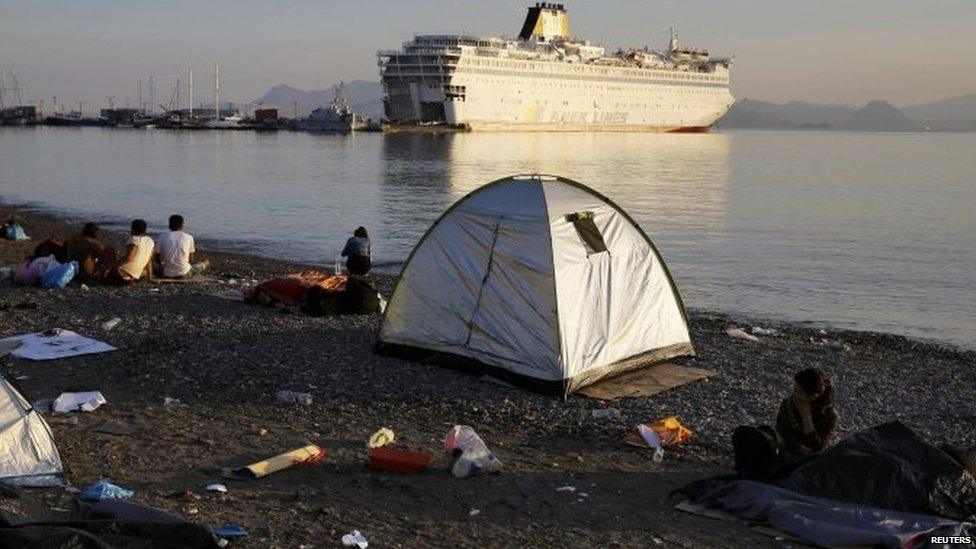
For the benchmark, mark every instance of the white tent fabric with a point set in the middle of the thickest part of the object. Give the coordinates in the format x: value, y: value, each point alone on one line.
x: 30, y: 456
x: 515, y: 276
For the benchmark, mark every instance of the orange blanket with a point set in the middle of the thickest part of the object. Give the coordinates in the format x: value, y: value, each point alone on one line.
x: 287, y: 291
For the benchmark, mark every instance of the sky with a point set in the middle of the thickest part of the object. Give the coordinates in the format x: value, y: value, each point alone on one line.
x: 829, y: 51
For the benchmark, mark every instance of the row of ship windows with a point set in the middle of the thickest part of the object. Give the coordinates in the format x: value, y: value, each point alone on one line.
x: 596, y: 106
x: 460, y: 89
x: 437, y: 67
x: 579, y: 68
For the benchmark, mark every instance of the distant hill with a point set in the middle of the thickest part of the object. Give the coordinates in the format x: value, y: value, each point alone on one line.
x: 366, y: 98
x: 954, y: 114
x: 880, y: 116
x: 957, y: 113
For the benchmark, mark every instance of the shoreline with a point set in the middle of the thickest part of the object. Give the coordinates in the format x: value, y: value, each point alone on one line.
x: 390, y: 270
x: 224, y: 361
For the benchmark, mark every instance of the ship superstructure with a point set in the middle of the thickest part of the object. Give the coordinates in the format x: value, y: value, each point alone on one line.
x: 546, y: 80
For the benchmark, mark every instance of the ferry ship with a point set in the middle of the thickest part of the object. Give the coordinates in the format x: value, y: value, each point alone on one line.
x: 545, y: 80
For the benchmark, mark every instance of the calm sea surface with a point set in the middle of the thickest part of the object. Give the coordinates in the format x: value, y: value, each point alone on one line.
x: 867, y: 231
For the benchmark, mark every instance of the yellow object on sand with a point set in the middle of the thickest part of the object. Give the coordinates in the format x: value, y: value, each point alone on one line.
x: 669, y: 429
x: 307, y: 455
x: 381, y: 438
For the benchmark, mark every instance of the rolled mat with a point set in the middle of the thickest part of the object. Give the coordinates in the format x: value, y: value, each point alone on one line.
x: 305, y: 456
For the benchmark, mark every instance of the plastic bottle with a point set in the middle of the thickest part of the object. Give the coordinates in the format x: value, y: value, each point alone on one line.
x: 110, y: 324
x: 337, y: 268
x: 658, y: 455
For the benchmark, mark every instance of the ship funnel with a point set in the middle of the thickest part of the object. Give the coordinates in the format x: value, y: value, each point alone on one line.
x: 546, y: 22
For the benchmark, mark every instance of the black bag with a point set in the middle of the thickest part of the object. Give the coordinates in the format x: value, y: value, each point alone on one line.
x: 757, y: 449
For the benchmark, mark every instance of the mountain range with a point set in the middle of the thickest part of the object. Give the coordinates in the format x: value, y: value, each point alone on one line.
x: 953, y: 114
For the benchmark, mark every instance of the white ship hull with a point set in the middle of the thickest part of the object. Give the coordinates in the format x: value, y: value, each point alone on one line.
x: 545, y: 81
x: 527, y: 103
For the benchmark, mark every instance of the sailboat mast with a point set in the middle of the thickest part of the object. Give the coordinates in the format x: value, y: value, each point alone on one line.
x: 191, y: 92
x: 217, y: 91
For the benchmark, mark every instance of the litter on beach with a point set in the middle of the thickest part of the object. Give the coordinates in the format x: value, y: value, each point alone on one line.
x: 355, y: 539
x: 103, y: 490
x: 289, y: 398
x: 109, y: 325
x: 662, y: 433
x: 230, y: 531
x: 471, y: 454
x: 217, y: 487
x: 396, y: 460
x: 566, y: 489
x: 87, y: 401
x: 54, y: 344
x: 304, y: 456
x: 739, y: 333
x: 381, y: 438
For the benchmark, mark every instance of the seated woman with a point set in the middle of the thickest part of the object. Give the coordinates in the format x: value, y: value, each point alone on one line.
x: 93, y: 258
x: 805, y: 425
x: 357, y: 253
x: 137, y: 260
x: 807, y: 421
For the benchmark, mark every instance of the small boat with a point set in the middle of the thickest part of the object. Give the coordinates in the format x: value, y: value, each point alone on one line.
x: 232, y: 122
x: 337, y: 117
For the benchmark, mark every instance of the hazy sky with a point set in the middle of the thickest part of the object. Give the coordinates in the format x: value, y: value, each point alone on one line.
x: 844, y: 51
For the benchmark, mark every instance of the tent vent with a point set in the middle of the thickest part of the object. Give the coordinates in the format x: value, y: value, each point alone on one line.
x: 586, y: 229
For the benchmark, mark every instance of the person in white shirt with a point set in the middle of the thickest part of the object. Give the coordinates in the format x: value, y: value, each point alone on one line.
x: 176, y: 252
x: 138, y: 257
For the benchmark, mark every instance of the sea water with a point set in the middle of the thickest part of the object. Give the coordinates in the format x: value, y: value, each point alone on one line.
x: 870, y: 231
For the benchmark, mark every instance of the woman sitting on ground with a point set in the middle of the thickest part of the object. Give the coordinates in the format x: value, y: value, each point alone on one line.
x: 807, y: 421
x: 357, y: 253
x: 805, y: 425
x: 138, y: 257
x: 93, y: 258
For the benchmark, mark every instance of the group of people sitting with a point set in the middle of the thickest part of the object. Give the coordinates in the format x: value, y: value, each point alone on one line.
x: 172, y: 255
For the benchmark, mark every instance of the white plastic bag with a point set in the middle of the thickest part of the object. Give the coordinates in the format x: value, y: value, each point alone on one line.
x: 472, y: 454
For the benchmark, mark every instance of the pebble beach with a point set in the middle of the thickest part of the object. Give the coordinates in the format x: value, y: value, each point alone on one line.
x: 218, y: 363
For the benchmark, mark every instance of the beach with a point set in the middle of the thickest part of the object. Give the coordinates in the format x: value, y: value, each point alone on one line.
x: 224, y: 361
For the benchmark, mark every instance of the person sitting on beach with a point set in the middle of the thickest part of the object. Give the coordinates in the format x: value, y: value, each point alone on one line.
x: 807, y: 421
x: 92, y: 256
x: 357, y: 253
x: 176, y: 252
x: 138, y: 256
x: 805, y: 425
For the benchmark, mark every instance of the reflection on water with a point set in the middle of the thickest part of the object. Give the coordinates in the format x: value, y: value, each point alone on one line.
x: 870, y: 231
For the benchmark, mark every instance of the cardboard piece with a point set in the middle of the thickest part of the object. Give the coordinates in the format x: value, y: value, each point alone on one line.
x: 645, y: 382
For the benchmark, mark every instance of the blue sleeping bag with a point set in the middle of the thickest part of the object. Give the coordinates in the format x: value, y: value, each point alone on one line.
x: 59, y: 277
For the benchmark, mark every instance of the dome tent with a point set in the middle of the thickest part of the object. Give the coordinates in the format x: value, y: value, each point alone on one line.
x: 30, y: 456
x: 538, y: 279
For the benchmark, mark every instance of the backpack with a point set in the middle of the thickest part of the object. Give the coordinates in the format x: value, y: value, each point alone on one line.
x: 757, y: 449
